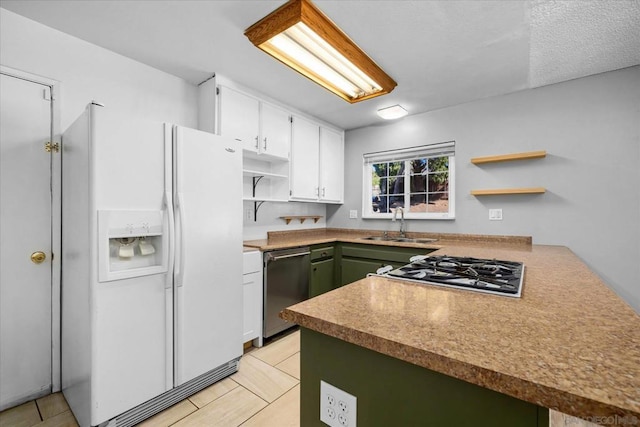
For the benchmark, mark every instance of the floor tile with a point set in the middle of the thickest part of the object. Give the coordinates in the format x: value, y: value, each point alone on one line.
x: 170, y: 415
x: 64, y: 419
x: 232, y: 409
x: 25, y: 415
x: 279, y: 350
x: 262, y: 379
x: 291, y: 365
x: 284, y: 412
x: 52, y: 405
x: 213, y: 392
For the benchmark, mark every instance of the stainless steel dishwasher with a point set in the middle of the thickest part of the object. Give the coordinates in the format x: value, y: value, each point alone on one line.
x: 286, y: 282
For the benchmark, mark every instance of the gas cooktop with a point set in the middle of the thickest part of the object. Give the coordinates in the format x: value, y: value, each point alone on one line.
x: 482, y: 275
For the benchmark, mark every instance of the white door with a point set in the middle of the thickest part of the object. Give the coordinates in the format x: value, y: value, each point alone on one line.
x: 331, y: 165
x: 304, y: 159
x: 25, y: 229
x: 208, y: 266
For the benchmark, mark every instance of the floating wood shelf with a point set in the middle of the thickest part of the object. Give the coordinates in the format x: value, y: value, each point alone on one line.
x: 509, y: 157
x: 258, y: 174
x: 505, y: 191
x: 302, y: 218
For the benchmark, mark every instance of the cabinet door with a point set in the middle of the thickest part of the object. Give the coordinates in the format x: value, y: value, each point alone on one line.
x: 304, y: 159
x: 239, y: 118
x: 356, y: 269
x: 321, y: 277
x: 252, y: 306
x: 331, y: 166
x: 275, y: 131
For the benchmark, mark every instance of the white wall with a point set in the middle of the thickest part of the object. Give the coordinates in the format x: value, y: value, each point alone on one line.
x: 590, y: 128
x: 269, y: 218
x: 88, y: 72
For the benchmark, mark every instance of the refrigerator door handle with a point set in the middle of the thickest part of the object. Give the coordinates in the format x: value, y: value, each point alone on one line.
x: 180, y: 272
x: 172, y: 244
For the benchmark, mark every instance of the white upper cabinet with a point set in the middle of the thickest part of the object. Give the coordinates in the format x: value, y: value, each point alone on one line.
x: 305, y: 143
x: 275, y: 127
x: 239, y: 118
x: 262, y: 128
x: 331, y: 166
x: 317, y: 163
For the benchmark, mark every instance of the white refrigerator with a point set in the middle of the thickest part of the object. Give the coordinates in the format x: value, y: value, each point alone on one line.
x: 151, y: 265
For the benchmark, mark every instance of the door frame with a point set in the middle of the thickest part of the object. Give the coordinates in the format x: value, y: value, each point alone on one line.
x: 56, y: 217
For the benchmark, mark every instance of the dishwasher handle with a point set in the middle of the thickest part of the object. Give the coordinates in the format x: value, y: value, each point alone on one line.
x: 271, y: 257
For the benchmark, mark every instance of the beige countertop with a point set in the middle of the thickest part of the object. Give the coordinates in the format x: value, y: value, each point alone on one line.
x: 569, y: 343
x: 290, y: 239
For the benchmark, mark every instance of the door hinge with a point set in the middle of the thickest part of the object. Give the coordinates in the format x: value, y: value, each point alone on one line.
x: 291, y: 119
x: 49, y: 147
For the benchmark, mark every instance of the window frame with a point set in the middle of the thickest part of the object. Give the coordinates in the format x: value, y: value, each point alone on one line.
x: 445, y: 149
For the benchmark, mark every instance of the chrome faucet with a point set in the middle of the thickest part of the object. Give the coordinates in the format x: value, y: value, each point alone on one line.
x: 395, y: 213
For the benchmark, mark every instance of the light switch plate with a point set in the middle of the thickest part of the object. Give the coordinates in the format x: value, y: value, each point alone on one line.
x: 353, y: 214
x: 495, y: 214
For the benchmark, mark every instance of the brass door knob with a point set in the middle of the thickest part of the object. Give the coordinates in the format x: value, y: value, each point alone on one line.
x: 38, y: 257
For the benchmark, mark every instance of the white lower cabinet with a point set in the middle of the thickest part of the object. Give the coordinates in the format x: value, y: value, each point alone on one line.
x: 317, y: 163
x: 252, y: 297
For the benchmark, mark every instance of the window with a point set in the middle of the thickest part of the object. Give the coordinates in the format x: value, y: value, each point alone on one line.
x: 419, y: 179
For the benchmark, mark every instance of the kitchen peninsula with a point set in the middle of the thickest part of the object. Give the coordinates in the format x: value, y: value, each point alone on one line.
x: 413, y: 352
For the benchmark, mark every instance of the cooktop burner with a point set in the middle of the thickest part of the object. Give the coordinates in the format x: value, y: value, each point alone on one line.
x: 482, y: 275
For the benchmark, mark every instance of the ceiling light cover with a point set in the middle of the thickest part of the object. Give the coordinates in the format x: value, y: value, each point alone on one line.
x: 299, y: 35
x: 393, y: 112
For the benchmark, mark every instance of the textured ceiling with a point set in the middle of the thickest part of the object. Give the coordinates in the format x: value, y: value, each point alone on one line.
x: 441, y: 53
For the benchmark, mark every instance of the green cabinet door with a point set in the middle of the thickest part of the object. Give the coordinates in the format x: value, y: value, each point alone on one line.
x: 356, y: 269
x: 321, y: 277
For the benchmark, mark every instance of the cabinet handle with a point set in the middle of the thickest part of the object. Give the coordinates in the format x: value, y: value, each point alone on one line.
x: 265, y: 143
x: 318, y: 191
x: 315, y: 268
x: 323, y: 191
x: 257, y: 143
x: 324, y: 254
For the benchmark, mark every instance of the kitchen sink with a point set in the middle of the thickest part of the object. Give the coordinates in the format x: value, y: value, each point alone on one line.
x: 399, y: 239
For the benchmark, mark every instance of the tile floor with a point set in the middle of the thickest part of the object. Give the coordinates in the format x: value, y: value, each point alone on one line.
x: 265, y: 392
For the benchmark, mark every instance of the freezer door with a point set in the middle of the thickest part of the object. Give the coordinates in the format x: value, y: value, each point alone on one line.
x: 208, y: 267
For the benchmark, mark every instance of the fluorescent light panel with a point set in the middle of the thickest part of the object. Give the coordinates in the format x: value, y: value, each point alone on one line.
x: 296, y: 42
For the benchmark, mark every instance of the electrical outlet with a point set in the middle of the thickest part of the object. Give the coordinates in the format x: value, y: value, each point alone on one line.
x: 353, y: 214
x: 247, y: 214
x: 495, y: 214
x: 337, y: 407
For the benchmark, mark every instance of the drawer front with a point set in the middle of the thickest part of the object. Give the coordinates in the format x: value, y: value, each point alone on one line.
x: 251, y: 262
x: 324, y: 252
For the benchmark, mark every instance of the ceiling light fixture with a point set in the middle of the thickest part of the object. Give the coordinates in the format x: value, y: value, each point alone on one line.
x: 299, y: 35
x: 393, y: 112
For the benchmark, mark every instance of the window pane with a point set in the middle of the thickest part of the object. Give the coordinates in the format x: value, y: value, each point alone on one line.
x: 396, y: 185
x: 418, y: 166
x: 396, y: 168
x: 418, y: 183
x: 438, y: 202
x: 379, y: 169
x: 381, y: 204
x: 439, y: 164
x: 438, y: 182
x: 418, y: 203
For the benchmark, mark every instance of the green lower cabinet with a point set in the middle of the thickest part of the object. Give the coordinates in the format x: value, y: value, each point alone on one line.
x: 356, y: 269
x: 391, y: 392
x: 322, y: 277
x: 358, y: 260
